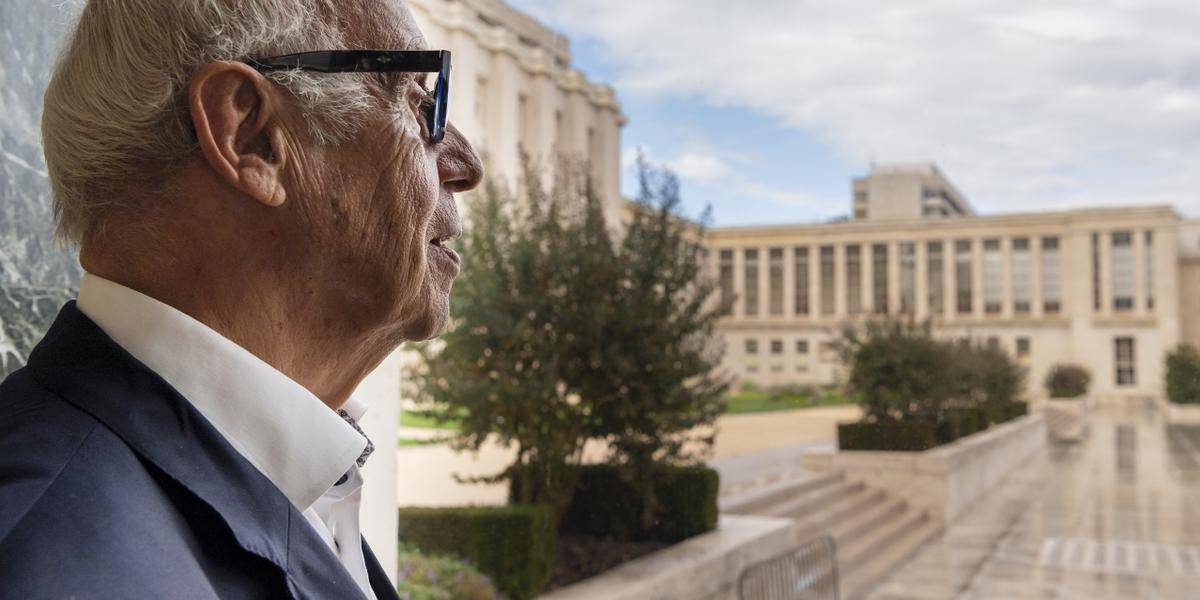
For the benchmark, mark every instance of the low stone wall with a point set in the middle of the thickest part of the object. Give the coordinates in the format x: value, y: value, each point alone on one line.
x: 706, y: 566
x: 1181, y: 414
x: 946, y: 480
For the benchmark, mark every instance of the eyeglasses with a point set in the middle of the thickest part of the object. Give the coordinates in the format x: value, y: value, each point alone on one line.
x: 377, y: 61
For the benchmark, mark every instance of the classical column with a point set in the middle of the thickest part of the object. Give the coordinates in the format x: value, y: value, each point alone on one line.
x: 977, y: 278
x: 1106, y: 297
x: 893, y: 266
x: 789, y: 283
x: 1036, y: 300
x: 839, y: 281
x: 949, y: 282
x: 1139, y: 271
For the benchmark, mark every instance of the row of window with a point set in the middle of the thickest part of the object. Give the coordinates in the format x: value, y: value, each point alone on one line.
x: 937, y: 253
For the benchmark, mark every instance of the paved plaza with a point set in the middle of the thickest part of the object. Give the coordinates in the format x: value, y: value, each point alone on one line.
x: 1114, y: 516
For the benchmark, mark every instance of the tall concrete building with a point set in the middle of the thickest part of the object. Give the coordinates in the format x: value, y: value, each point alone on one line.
x: 1111, y: 289
x: 514, y: 89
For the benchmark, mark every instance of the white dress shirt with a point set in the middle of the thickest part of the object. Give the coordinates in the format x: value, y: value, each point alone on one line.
x: 280, y: 427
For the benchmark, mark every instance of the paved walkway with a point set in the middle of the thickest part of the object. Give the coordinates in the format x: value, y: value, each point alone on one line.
x: 1115, y: 516
x: 750, y: 447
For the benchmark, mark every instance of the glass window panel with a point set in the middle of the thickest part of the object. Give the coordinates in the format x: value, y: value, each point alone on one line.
x: 775, y: 282
x: 751, y: 292
x: 776, y: 346
x: 828, y: 296
x: 725, y: 270
x: 962, y: 276
x: 1022, y: 276
x: 908, y: 277
x: 879, y: 276
x: 993, y: 277
x: 854, y: 279
x: 800, y: 255
x: 1148, y: 252
x: 1051, y: 275
x: 934, y: 276
x: 1122, y: 270
x: 1125, y: 361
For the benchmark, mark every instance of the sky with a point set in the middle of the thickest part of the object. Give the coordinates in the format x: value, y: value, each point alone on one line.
x: 767, y: 108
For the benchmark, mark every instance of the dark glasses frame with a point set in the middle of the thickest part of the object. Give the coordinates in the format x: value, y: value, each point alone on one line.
x: 377, y: 61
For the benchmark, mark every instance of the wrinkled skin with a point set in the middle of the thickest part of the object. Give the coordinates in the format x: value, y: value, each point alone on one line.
x: 317, y: 259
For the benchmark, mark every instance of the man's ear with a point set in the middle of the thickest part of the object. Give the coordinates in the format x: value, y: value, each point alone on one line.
x: 233, y: 113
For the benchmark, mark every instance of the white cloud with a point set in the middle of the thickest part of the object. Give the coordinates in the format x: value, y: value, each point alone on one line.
x: 1026, y: 104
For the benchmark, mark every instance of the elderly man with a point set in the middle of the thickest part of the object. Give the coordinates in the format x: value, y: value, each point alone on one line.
x: 261, y: 211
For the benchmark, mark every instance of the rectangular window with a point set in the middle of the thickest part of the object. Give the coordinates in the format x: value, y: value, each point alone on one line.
x: 1097, y: 297
x: 801, y: 265
x: 993, y: 277
x: 1051, y: 276
x: 751, y: 293
x: 962, y: 276
x: 879, y: 276
x: 752, y: 369
x: 1122, y: 270
x: 828, y: 293
x: 908, y: 278
x: 725, y: 274
x: 993, y: 342
x: 935, y: 271
x: 1126, y: 374
x: 775, y: 281
x: 801, y: 346
x: 1022, y: 276
x: 854, y: 279
x: 1148, y: 253
x: 1024, y: 347
x: 751, y: 346
x: 776, y: 346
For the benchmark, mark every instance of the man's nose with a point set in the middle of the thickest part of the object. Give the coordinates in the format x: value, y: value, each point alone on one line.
x: 459, y: 167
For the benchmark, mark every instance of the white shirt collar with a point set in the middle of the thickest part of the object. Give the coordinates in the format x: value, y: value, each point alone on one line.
x: 280, y: 427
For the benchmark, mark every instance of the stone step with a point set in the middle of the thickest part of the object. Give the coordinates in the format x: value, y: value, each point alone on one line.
x: 825, y: 518
x: 878, y: 515
x: 815, y: 500
x: 868, y: 565
x: 756, y: 500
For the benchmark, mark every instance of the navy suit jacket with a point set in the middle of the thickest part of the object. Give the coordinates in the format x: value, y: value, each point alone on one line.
x: 113, y: 486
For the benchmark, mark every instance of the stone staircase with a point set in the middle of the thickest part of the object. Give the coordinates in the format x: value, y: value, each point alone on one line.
x: 874, y: 532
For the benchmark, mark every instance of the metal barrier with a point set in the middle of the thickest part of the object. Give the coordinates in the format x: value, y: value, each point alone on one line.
x: 805, y: 573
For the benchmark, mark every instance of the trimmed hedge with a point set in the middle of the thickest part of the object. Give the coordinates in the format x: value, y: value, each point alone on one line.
x: 919, y: 435
x: 1183, y: 375
x: 1067, y: 381
x: 606, y: 504
x: 514, y: 545
x: 899, y: 436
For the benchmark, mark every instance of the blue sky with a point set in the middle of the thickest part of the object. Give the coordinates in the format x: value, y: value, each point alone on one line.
x: 767, y: 109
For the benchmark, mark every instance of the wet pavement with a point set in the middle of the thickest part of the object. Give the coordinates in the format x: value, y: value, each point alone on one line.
x: 1116, y: 515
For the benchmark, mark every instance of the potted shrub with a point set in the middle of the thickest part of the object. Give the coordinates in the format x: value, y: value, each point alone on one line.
x: 1068, y: 407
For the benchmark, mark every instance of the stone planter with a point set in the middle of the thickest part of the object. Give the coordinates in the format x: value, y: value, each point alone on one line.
x: 1182, y: 414
x: 706, y: 566
x: 1068, y: 420
x: 946, y: 480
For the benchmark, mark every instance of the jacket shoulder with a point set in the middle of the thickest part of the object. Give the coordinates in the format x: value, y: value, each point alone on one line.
x: 39, y: 435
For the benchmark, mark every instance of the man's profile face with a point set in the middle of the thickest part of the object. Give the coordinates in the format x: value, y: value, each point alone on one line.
x: 382, y: 203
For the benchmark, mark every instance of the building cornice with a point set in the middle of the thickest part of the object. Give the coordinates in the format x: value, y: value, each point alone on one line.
x: 537, y: 50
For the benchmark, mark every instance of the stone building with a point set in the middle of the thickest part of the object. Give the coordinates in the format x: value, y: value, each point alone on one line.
x: 513, y: 88
x: 1113, y: 289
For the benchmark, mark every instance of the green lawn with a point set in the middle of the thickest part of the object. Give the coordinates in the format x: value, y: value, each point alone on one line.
x: 424, y: 420
x: 406, y: 442
x: 756, y: 401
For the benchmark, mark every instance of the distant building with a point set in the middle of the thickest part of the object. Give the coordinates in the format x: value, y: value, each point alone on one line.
x: 513, y: 87
x: 1112, y: 289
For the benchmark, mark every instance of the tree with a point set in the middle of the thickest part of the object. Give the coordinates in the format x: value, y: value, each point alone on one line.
x: 562, y: 335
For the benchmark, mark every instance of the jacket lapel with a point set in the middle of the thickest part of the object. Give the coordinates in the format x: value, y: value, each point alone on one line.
x: 80, y: 363
x: 382, y: 586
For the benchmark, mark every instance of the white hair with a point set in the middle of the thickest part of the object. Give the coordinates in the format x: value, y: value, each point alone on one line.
x: 117, y: 101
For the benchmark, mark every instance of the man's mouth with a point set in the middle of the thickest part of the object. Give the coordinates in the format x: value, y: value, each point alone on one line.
x: 439, y: 246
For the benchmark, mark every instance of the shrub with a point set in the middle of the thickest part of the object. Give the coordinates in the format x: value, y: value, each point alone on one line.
x: 1067, y: 381
x: 898, y: 436
x: 608, y: 504
x: 428, y: 577
x: 897, y: 370
x: 1183, y: 375
x: 514, y: 545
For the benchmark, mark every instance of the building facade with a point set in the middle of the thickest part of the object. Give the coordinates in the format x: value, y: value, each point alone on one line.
x: 514, y: 90
x: 1110, y: 289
